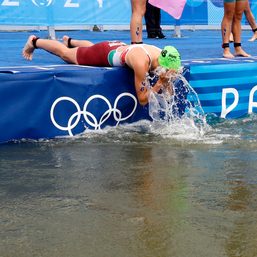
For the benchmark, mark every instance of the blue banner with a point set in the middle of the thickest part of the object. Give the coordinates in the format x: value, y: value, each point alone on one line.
x: 64, y: 12
x: 225, y: 87
x: 103, y: 12
x: 45, y: 102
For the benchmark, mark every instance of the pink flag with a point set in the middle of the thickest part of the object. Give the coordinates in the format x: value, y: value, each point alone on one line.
x: 173, y: 7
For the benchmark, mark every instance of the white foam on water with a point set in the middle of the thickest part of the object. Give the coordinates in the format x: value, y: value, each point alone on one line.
x: 163, y: 110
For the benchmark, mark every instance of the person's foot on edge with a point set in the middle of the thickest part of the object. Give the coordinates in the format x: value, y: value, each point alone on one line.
x: 239, y: 52
x: 28, y: 49
x: 227, y: 54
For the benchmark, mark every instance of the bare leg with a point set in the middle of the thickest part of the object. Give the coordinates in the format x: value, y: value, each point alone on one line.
x: 236, y: 28
x: 136, y: 23
x: 254, y: 37
x: 52, y: 46
x: 76, y: 43
x: 250, y: 18
x: 226, y: 24
x: 231, y: 37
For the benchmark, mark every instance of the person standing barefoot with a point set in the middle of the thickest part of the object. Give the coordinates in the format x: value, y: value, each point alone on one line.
x: 233, y: 11
x: 251, y: 20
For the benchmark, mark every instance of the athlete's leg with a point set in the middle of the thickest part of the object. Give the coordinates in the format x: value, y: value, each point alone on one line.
x: 236, y: 28
x: 136, y: 21
x: 250, y: 18
x: 231, y: 38
x: 229, y: 9
x: 52, y: 46
x: 70, y: 42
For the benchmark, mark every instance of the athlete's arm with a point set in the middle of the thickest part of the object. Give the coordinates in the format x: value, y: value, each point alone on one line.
x: 141, y: 87
x: 139, y: 62
x: 142, y: 93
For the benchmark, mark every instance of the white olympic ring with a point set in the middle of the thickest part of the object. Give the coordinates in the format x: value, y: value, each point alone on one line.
x: 90, y: 117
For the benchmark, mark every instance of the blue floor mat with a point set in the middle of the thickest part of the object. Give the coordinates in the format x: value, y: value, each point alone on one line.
x: 198, y: 44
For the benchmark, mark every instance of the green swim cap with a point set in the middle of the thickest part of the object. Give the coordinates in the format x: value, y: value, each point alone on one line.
x: 170, y: 58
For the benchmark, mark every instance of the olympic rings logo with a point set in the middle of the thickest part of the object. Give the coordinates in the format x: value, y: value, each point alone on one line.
x: 90, y: 117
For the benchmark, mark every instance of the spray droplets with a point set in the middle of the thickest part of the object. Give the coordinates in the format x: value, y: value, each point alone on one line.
x: 177, y: 104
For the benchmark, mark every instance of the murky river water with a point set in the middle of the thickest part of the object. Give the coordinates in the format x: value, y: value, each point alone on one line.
x: 132, y: 192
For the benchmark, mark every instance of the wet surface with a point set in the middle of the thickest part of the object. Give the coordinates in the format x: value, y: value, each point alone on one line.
x: 132, y: 192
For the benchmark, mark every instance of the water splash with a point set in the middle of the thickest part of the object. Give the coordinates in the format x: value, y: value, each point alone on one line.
x: 180, y: 111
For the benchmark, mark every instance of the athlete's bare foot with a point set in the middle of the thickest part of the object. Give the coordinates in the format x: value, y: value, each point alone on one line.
x: 254, y: 37
x: 241, y: 53
x: 28, y: 49
x: 228, y: 54
x: 65, y: 40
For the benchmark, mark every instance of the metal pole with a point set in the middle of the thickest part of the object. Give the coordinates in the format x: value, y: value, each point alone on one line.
x: 177, y: 29
x: 51, y: 32
x: 50, y: 20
